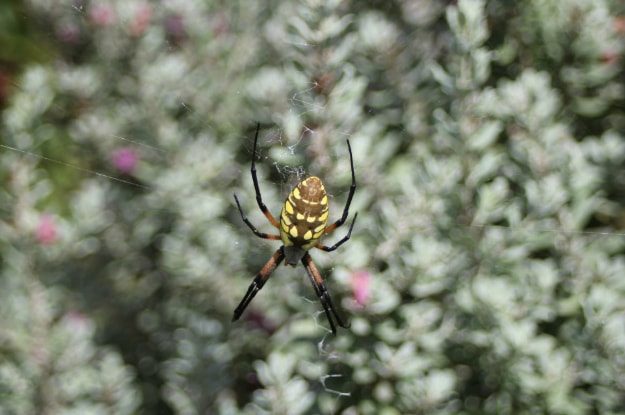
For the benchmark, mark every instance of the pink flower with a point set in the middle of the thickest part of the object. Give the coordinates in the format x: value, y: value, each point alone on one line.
x: 619, y: 25
x: 5, y: 82
x: 69, y: 33
x: 141, y: 19
x: 102, y: 15
x: 46, y: 230
x: 76, y: 323
x: 361, y: 287
x: 175, y: 28
x: 221, y: 25
x: 609, y: 57
x: 125, y: 159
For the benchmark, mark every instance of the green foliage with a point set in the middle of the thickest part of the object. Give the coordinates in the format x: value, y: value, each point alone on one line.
x: 484, y: 275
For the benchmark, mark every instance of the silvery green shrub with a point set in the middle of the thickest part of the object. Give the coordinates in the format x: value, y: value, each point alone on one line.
x: 484, y: 275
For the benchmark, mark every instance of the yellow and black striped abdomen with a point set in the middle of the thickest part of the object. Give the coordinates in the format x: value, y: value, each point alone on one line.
x: 304, y: 214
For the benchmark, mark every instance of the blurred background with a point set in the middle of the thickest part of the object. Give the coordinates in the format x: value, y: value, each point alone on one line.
x: 485, y: 274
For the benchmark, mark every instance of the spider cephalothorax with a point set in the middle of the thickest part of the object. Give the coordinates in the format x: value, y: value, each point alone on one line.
x: 303, y: 221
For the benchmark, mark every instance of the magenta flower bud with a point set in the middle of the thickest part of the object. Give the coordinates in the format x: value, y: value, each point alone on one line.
x: 102, y: 15
x: 46, y: 233
x: 361, y: 287
x: 125, y: 160
x: 141, y: 19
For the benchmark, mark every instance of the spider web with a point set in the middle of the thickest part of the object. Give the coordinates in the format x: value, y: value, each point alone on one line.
x: 304, y: 106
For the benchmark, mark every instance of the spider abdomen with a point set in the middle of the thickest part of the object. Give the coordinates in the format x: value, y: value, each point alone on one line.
x: 304, y: 214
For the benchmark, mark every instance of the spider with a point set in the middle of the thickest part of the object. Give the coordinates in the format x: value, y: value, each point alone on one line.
x: 303, y: 221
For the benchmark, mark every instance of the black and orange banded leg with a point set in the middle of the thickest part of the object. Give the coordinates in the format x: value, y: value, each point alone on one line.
x: 352, y: 189
x: 252, y: 227
x: 259, y: 198
x: 341, y: 242
x: 324, y: 296
x: 259, y: 280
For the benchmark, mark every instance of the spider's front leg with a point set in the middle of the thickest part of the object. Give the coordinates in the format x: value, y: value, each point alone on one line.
x: 259, y: 197
x: 341, y: 242
x: 251, y: 226
x: 350, y: 195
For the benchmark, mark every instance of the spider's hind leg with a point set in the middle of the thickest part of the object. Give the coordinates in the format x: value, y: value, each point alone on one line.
x: 260, y: 280
x: 323, y: 294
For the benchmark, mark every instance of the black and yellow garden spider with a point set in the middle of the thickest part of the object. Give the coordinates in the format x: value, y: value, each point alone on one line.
x: 302, y: 223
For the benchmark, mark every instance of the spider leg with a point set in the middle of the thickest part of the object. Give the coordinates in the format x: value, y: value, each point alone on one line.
x: 259, y: 198
x: 352, y: 189
x: 259, y: 280
x: 323, y: 294
x: 252, y: 227
x: 342, y: 241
